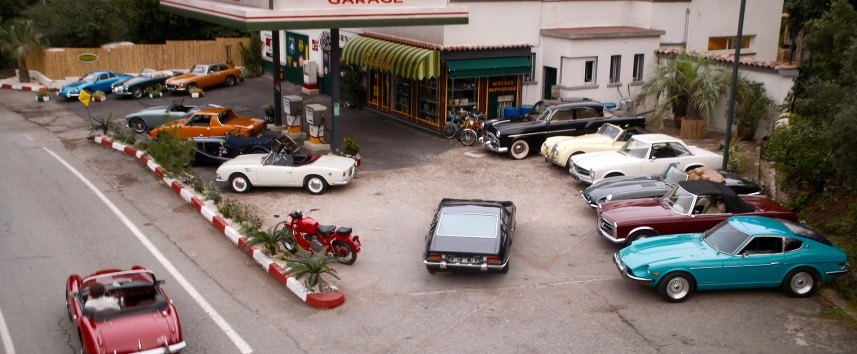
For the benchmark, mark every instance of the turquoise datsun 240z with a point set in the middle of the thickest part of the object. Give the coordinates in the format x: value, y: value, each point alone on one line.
x: 741, y: 252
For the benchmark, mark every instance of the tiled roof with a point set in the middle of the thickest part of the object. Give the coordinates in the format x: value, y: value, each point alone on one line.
x: 601, y: 32
x: 440, y: 47
x: 730, y: 59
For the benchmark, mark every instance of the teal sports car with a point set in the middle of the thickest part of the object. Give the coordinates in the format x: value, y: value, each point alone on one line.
x: 741, y: 252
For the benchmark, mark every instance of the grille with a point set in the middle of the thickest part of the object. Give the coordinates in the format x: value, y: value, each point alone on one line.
x: 580, y: 170
x: 606, y: 226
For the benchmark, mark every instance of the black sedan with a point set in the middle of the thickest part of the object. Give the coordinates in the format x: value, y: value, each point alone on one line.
x: 630, y: 187
x: 468, y: 234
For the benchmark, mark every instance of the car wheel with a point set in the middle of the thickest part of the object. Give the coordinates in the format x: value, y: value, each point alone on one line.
x: 315, y: 184
x: 639, y: 235
x: 240, y: 183
x: 519, y: 149
x: 467, y: 137
x: 344, y: 253
x: 676, y: 287
x: 800, y: 282
x: 139, y: 126
x: 230, y: 81
x: 137, y: 93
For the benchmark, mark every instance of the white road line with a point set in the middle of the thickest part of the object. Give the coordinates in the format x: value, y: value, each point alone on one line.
x: 206, y: 307
x: 29, y: 137
x: 5, y: 337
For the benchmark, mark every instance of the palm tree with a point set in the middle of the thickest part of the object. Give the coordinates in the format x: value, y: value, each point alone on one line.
x: 689, y: 85
x: 311, y: 267
x: 268, y: 240
x: 19, y: 39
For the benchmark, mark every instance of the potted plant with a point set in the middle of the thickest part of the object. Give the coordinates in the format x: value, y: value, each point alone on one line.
x: 269, y: 113
x: 99, y: 96
x: 42, y: 95
x: 752, y: 105
x: 309, y: 268
x: 350, y: 148
x: 155, y: 91
x: 195, y: 92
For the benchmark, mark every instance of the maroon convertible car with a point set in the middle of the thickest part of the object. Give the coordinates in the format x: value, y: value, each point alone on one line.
x: 146, y: 322
x: 691, y: 206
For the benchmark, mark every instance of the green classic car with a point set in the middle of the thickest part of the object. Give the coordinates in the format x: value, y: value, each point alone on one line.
x: 741, y: 252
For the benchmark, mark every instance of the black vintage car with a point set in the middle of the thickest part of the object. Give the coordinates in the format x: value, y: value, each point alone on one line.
x: 630, y: 187
x: 136, y: 86
x: 470, y: 235
x: 216, y: 150
x: 570, y: 117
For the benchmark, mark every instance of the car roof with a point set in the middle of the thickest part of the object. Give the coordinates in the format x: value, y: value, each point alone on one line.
x: 655, y: 138
x: 734, y: 204
x: 762, y: 225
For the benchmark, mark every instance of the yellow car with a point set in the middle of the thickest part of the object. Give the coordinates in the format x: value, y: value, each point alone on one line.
x: 211, y: 121
x: 560, y: 149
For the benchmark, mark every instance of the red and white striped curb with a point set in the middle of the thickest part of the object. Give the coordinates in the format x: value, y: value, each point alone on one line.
x: 327, y: 299
x: 22, y: 87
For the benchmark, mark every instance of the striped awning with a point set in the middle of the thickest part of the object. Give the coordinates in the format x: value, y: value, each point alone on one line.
x: 402, y: 60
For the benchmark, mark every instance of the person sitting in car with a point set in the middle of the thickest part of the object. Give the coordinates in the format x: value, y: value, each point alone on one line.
x: 98, y: 299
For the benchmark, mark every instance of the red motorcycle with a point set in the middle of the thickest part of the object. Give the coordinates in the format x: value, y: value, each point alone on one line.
x: 309, y: 235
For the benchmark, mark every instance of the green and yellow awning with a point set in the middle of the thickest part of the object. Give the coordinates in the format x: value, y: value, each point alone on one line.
x: 402, y: 60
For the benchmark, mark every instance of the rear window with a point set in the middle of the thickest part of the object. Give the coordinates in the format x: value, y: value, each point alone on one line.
x: 468, y: 225
x: 806, y: 231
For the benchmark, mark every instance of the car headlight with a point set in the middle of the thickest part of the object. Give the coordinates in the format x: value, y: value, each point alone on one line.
x: 608, y: 198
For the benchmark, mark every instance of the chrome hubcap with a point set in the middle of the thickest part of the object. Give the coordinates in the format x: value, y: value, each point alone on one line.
x: 678, y: 287
x: 801, y: 283
x: 239, y: 184
x: 315, y: 185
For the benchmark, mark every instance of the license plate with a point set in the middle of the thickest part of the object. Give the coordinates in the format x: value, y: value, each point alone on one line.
x: 464, y: 259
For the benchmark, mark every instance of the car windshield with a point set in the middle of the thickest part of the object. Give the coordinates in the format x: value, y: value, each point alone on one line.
x: 725, y: 238
x: 468, y: 225
x: 673, y: 175
x: 679, y: 200
x: 199, y: 69
x: 635, y: 148
x: 227, y: 116
x: 609, y: 130
x: 91, y: 77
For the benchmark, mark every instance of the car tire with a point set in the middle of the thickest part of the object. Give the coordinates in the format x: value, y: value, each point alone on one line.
x: 638, y: 235
x: 800, y: 282
x: 139, y: 126
x: 137, y: 92
x: 230, y: 81
x: 519, y: 149
x: 315, y: 185
x: 239, y: 183
x: 676, y: 287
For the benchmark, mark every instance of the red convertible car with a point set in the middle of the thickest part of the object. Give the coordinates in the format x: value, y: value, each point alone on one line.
x: 146, y: 321
x: 691, y: 206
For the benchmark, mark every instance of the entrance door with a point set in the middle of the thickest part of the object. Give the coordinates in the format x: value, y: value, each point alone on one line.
x: 549, y: 80
x: 375, y: 88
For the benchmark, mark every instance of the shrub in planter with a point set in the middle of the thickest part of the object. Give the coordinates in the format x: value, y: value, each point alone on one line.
x: 99, y: 96
x: 173, y: 154
x: 310, y: 267
x: 155, y: 91
x: 104, y: 124
x: 195, y: 92
x: 269, y: 113
x: 269, y: 239
x: 753, y: 105
x: 43, y: 95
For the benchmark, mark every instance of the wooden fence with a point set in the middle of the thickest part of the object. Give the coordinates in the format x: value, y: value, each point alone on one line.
x: 62, y: 63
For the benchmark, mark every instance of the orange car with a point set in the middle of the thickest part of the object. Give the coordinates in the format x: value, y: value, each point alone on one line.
x: 204, y: 75
x: 212, y: 121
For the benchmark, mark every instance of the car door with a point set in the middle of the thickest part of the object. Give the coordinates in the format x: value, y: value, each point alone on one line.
x: 661, y: 155
x: 587, y: 120
x: 211, y: 77
x: 708, y: 211
x: 196, y: 125
x: 759, y: 263
x: 102, y: 83
x: 276, y: 170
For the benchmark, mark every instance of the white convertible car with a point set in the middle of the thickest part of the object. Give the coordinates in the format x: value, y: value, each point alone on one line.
x: 279, y: 169
x: 560, y: 149
x: 642, y: 155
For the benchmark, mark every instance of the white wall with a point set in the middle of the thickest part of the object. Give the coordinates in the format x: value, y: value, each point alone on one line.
x: 497, y: 24
x: 719, y: 18
x: 778, y: 84
x: 564, y: 14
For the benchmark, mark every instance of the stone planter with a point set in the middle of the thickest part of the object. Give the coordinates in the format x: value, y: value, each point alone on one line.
x: 43, y: 98
x: 197, y: 94
x: 156, y: 95
x: 693, y: 129
x: 99, y: 98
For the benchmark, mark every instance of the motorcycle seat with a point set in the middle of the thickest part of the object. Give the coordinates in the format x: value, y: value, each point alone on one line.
x: 344, y: 230
x: 326, y: 230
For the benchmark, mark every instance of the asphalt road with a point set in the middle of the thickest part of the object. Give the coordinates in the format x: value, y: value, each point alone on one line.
x: 562, y: 293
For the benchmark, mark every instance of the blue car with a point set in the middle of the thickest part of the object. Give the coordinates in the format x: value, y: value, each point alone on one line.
x: 741, y: 252
x: 91, y: 82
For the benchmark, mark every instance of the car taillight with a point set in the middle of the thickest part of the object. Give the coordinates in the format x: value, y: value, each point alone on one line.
x: 435, y: 256
x: 492, y: 259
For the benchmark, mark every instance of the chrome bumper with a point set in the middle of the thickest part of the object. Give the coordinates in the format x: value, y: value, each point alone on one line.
x: 175, y: 348
x: 624, y: 270
x: 492, y: 145
x: 590, y: 202
x: 444, y: 265
x: 609, y: 237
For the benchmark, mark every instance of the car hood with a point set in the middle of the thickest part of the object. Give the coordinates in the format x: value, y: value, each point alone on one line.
x: 640, y: 187
x: 178, y: 79
x: 665, y: 248
x: 334, y: 162
x: 598, y: 161
x: 550, y: 142
x: 505, y: 126
x: 133, y: 333
x: 633, y: 210
x: 588, y: 139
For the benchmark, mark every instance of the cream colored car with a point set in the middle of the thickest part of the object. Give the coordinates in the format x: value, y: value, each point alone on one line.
x: 560, y: 149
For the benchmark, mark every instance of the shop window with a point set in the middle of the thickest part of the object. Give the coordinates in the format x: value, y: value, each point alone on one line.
x: 462, y: 94
x: 726, y: 43
x: 589, y: 71
x: 638, y: 67
x: 402, y: 99
x: 428, y: 109
x: 615, y: 65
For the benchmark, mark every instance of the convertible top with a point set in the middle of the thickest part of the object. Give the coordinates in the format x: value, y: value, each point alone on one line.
x: 734, y: 204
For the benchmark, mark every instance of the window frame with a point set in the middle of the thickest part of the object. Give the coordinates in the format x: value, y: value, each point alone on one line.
x: 639, y: 61
x: 615, y: 69
x: 590, y: 71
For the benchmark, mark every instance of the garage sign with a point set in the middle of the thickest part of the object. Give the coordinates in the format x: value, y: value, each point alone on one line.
x: 87, y: 58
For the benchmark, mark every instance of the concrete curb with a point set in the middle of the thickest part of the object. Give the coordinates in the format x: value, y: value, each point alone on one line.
x: 23, y: 87
x: 328, y: 299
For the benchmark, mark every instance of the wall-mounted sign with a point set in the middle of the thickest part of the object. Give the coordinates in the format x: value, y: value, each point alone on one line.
x: 87, y: 58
